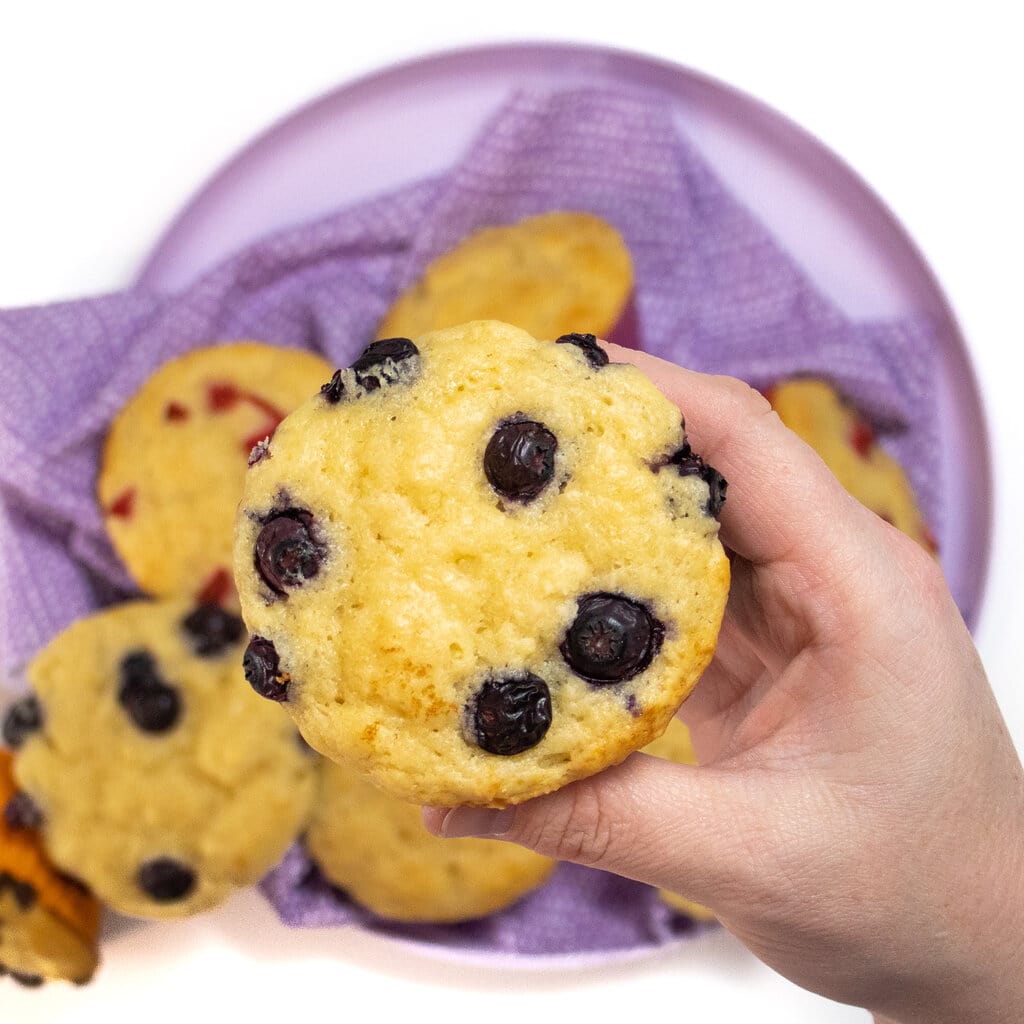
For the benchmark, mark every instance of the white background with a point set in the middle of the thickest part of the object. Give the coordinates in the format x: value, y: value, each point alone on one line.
x: 111, y: 115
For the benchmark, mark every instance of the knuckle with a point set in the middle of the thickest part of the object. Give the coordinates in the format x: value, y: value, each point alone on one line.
x: 748, y: 400
x: 925, y: 573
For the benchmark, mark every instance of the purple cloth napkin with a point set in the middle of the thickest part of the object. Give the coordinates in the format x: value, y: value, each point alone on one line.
x: 713, y: 290
x: 578, y: 912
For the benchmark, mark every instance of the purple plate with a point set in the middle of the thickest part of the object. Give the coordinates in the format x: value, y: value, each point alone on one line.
x: 342, y: 148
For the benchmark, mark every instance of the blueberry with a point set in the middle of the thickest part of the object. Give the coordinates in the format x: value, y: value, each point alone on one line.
x: 587, y: 343
x: 688, y: 463
x: 286, y: 555
x: 379, y: 352
x: 22, y: 812
x: 166, y: 880
x: 148, y: 701
x: 24, y: 893
x: 511, y: 713
x: 262, y: 668
x: 212, y: 629
x: 23, y: 718
x: 334, y: 388
x: 379, y: 363
x: 520, y: 459
x: 27, y: 980
x: 612, y: 638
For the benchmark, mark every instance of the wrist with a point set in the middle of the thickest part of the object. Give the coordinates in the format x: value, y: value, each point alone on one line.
x: 982, y: 979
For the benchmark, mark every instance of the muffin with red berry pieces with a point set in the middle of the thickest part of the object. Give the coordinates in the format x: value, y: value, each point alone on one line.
x: 847, y: 444
x: 175, y: 458
x: 157, y: 777
x: 479, y: 566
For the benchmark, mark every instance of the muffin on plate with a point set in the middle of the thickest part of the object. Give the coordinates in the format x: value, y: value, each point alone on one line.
x: 376, y: 848
x: 48, y: 922
x: 550, y: 275
x: 175, y: 457
x: 158, y: 778
x: 814, y: 410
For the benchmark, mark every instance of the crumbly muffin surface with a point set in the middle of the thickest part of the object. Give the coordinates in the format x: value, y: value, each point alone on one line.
x: 550, y: 274
x: 175, y: 457
x: 163, y: 782
x: 376, y: 848
x: 479, y: 566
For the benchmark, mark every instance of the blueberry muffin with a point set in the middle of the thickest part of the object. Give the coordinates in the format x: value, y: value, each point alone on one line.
x: 479, y: 566
x: 158, y: 778
x: 48, y: 922
x: 848, y: 446
x: 175, y: 458
x: 674, y: 745
x: 375, y: 847
x: 549, y: 275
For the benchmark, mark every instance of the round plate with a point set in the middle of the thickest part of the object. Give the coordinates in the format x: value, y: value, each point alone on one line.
x: 342, y: 148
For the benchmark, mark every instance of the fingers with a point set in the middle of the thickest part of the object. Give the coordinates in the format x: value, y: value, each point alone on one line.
x: 666, y: 824
x: 783, y: 503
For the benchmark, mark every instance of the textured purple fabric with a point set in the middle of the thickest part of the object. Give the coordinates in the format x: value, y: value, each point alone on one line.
x: 713, y: 292
x: 578, y: 911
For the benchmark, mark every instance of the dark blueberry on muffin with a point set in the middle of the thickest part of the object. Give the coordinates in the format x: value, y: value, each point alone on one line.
x: 147, y: 699
x: 286, y: 553
x: 511, y: 713
x: 334, y: 388
x: 688, y: 463
x: 587, y: 344
x: 212, y: 630
x: 262, y: 668
x: 24, y: 717
x: 22, y: 812
x: 166, y: 880
x: 520, y: 459
x: 612, y: 639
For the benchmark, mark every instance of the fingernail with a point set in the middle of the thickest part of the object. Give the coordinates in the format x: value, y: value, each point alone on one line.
x: 482, y: 822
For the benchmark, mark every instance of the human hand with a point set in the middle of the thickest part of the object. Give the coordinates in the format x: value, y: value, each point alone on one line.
x: 858, y: 816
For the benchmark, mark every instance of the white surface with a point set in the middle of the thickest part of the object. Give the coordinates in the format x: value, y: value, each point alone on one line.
x: 111, y: 115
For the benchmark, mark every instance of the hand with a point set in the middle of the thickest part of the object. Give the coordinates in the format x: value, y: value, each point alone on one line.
x: 858, y: 817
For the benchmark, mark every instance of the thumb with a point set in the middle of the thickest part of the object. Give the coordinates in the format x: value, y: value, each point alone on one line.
x: 674, y: 826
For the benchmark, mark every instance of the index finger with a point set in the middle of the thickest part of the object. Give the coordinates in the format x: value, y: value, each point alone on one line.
x: 784, y: 505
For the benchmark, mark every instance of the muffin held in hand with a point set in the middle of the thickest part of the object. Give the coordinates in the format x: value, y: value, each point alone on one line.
x: 48, y: 922
x: 847, y: 445
x: 376, y: 848
x: 481, y: 566
x: 157, y: 776
x: 175, y: 459
x: 549, y: 275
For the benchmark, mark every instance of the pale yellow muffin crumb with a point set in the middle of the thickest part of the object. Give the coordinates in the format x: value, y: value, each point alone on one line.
x: 425, y: 608
x: 550, y: 275
x: 175, y: 457
x: 376, y: 848
x: 164, y: 782
x: 846, y: 443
